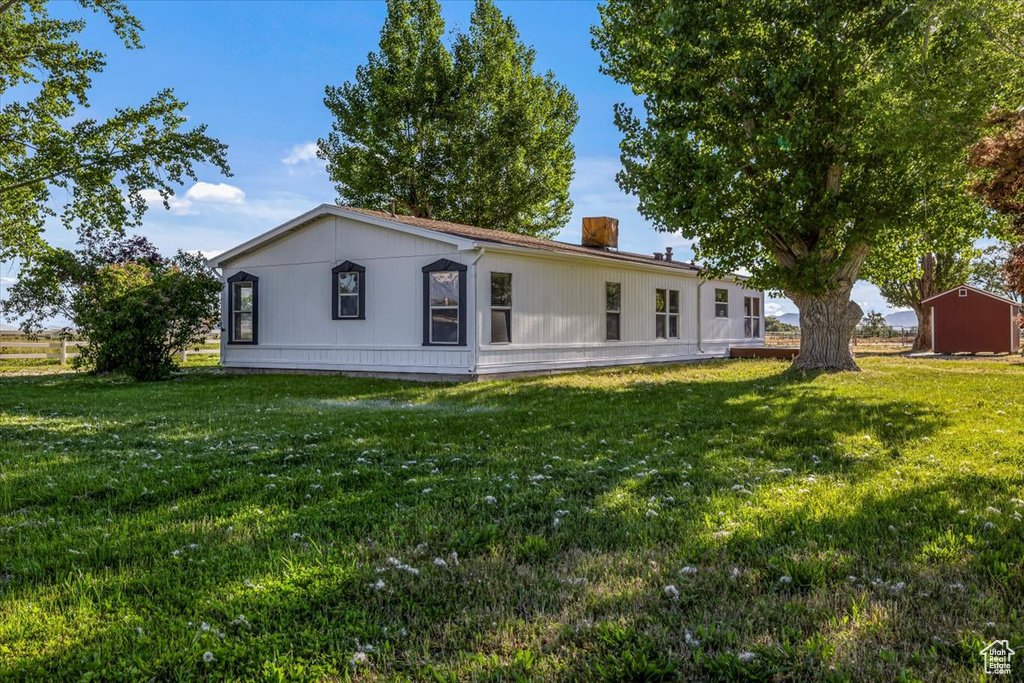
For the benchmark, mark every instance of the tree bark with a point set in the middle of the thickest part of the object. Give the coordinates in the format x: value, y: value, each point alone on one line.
x: 923, y: 340
x: 827, y: 322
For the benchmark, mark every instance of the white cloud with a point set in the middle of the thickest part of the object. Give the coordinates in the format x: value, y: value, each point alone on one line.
x: 301, y: 153
x: 220, y: 193
x: 178, y: 205
x: 205, y: 193
x: 773, y: 308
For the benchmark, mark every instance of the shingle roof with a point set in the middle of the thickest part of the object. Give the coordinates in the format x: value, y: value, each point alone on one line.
x: 512, y: 239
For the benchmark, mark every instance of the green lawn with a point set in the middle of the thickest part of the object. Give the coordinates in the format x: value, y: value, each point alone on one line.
x: 719, y: 521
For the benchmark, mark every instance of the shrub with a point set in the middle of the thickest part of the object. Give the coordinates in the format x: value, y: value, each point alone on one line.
x: 136, y: 308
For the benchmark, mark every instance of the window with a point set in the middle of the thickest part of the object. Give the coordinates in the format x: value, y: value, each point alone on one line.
x: 243, y: 308
x: 660, y: 314
x: 348, y: 282
x: 673, y: 313
x: 501, y: 308
x: 444, y: 303
x: 666, y: 313
x: 613, y: 309
x: 721, y: 303
x: 963, y: 293
x: 751, y: 316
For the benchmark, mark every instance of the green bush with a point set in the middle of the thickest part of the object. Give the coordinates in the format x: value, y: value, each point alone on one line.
x: 136, y: 308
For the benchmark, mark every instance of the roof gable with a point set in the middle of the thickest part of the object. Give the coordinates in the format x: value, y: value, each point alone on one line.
x: 970, y: 288
x: 306, y: 219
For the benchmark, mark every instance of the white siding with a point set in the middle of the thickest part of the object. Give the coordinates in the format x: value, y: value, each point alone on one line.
x: 558, y: 307
x: 558, y: 315
x: 296, y: 330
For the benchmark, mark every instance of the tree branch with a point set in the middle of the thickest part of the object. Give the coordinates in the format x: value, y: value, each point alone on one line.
x: 42, y: 179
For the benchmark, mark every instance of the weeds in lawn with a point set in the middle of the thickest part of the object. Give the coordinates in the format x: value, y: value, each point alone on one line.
x: 268, y: 527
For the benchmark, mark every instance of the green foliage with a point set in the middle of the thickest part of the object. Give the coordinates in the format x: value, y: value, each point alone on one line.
x: 792, y: 137
x: 999, y: 269
x: 266, y: 507
x: 52, y: 154
x: 135, y: 308
x: 627, y: 656
x: 772, y: 324
x: 874, y: 325
x: 471, y: 135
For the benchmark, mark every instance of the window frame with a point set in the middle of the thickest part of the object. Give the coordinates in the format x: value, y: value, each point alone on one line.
x: 507, y: 310
x: 673, y: 316
x: 661, y: 317
x: 724, y: 303
x: 348, y: 267
x: 752, y: 317
x: 617, y: 312
x: 242, y: 278
x: 444, y: 266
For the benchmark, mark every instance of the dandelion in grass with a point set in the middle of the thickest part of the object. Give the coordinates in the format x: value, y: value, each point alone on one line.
x: 358, y: 659
x: 651, y: 513
x: 379, y: 585
x: 746, y: 657
x: 438, y: 562
x: 207, y: 657
x: 688, y: 571
x: 785, y: 580
x: 490, y: 500
x: 672, y: 592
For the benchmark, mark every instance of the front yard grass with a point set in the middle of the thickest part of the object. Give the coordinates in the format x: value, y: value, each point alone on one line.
x: 723, y: 521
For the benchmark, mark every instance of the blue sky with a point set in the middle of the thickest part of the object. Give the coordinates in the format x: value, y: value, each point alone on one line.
x: 255, y: 72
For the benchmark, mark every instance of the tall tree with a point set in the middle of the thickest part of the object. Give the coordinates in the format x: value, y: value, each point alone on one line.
x: 472, y: 134
x: 934, y: 256
x: 999, y: 268
x: 787, y: 136
x: 99, y: 167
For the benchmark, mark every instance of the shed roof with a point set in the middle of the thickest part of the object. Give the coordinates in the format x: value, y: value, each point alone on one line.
x: 465, y: 233
x: 1011, y: 302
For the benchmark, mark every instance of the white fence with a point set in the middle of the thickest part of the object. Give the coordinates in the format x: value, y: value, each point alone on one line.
x: 60, y: 349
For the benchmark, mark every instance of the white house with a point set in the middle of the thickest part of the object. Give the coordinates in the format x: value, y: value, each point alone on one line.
x: 359, y: 291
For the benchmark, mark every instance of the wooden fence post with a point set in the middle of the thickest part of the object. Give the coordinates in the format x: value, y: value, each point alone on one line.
x: 63, y: 351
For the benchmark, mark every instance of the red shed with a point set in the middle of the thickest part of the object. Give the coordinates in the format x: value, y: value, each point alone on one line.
x: 966, y: 319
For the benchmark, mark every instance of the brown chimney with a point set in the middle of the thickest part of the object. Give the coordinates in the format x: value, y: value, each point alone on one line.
x: 658, y: 256
x: 601, y: 231
x: 668, y: 253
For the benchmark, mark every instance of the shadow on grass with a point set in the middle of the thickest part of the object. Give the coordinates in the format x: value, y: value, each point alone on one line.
x: 246, y: 452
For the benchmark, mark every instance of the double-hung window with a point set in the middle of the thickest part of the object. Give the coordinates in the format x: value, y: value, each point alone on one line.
x: 751, y: 316
x: 243, y: 308
x: 501, y: 308
x: 666, y: 313
x: 721, y: 303
x: 612, y: 310
x: 444, y: 303
x: 348, y: 293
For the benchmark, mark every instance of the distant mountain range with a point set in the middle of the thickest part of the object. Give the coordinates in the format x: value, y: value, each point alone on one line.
x: 895, y: 319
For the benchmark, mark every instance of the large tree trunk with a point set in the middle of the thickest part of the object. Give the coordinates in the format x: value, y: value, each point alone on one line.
x: 925, y: 289
x: 827, y: 322
x: 923, y: 340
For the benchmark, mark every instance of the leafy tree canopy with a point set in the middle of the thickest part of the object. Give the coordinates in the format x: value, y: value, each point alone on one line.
x: 472, y: 134
x: 792, y: 138
x: 47, y: 142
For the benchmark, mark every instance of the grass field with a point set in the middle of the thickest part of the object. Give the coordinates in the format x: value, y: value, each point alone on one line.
x: 724, y: 521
